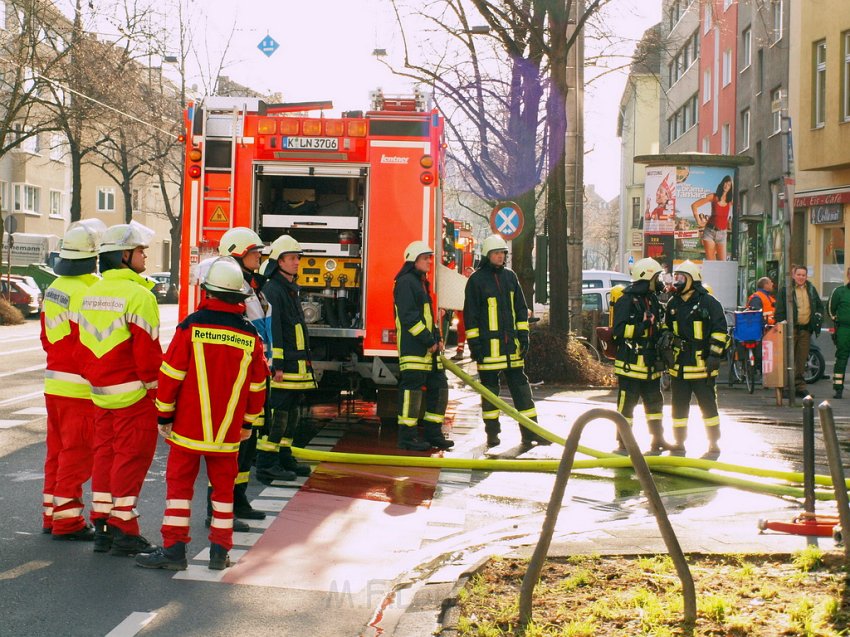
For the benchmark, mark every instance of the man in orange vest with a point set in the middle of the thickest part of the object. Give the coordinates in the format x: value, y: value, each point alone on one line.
x: 763, y: 299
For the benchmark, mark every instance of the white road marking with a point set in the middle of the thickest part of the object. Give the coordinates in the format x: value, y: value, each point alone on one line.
x: 21, y: 351
x: 8, y: 424
x: 31, y: 411
x: 20, y: 399
x: 23, y: 370
x: 132, y: 625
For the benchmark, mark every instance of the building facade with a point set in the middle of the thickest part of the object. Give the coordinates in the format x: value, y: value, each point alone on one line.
x: 680, y: 53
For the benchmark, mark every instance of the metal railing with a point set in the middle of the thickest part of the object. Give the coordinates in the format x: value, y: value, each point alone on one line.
x: 535, y: 565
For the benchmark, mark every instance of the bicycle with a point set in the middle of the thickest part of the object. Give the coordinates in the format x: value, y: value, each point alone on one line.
x: 746, y: 333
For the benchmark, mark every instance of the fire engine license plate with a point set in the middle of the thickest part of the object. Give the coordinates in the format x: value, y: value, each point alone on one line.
x: 310, y: 143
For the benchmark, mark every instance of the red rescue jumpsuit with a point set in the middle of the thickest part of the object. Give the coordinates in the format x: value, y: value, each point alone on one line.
x: 212, y: 383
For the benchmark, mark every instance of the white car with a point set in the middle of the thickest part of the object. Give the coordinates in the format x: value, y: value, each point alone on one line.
x: 603, y: 279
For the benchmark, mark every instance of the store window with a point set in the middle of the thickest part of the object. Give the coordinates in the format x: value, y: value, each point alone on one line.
x: 832, y: 259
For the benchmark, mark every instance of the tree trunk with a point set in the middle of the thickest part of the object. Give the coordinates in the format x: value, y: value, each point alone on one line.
x: 76, y: 180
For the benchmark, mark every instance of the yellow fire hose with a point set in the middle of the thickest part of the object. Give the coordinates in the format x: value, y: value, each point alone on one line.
x: 694, y: 468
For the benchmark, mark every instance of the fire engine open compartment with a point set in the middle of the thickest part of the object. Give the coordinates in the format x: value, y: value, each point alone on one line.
x: 323, y: 207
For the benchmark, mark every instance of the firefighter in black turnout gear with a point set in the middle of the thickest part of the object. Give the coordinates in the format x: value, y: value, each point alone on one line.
x: 638, y: 322
x: 699, y: 327
x: 419, y: 344
x: 292, y: 371
x: 496, y: 318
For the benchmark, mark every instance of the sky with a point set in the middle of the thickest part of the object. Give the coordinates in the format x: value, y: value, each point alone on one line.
x: 325, y: 52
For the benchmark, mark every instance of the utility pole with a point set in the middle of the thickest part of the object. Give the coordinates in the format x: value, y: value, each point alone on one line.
x: 788, y: 211
x: 574, y: 163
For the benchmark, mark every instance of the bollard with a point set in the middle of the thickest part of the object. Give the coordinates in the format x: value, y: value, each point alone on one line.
x: 535, y: 565
x: 833, y: 455
x: 809, y: 454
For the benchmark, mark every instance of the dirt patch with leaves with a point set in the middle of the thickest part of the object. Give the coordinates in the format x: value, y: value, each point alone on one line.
x: 556, y: 358
x: 804, y: 594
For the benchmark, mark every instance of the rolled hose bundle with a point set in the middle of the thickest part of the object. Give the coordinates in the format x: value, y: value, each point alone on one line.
x: 694, y: 468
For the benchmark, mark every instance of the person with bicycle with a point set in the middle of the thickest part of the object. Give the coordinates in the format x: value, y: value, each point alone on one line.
x: 638, y: 317
x: 839, y: 309
x: 763, y: 299
x: 698, y: 324
x: 808, y: 315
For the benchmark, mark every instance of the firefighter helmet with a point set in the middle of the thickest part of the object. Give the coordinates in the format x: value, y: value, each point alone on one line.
x: 645, y: 269
x: 125, y: 236
x: 690, y: 268
x: 284, y: 244
x: 80, y: 241
x: 224, y: 276
x: 239, y: 241
x: 416, y: 250
x: 493, y: 242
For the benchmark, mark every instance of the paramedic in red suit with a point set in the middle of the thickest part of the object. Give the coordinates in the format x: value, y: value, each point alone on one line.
x: 716, y: 227
x: 212, y: 387
x: 120, y: 357
x: 67, y: 395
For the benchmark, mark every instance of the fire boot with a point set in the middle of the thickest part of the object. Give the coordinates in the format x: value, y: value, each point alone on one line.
x: 680, y: 434
x: 102, y: 536
x: 657, y: 444
x: 408, y: 438
x: 492, y: 429
x: 621, y: 447
x: 85, y: 534
x: 241, y: 507
x: 434, y: 436
x: 128, y: 545
x: 288, y: 462
x: 172, y: 558
x: 219, y: 558
x: 713, y: 435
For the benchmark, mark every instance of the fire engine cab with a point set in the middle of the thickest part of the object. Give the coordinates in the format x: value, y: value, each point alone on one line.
x: 353, y: 191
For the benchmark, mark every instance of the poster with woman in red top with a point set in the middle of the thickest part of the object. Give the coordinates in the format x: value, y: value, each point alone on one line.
x: 713, y: 214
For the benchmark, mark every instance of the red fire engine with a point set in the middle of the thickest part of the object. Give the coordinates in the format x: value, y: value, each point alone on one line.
x: 354, y: 191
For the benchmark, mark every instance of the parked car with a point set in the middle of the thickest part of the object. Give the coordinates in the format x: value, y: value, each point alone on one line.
x: 163, y: 286
x: 603, y: 279
x: 22, y: 292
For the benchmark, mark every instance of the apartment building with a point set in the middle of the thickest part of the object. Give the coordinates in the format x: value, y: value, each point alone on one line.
x: 680, y: 53
x: 820, y: 106
x: 717, y: 76
x: 762, y: 70
x: 637, y: 128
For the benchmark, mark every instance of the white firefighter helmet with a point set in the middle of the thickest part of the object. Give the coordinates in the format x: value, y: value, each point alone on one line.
x: 690, y: 268
x: 239, y: 241
x: 284, y: 244
x: 81, y: 239
x: 493, y: 242
x: 645, y: 269
x: 224, y: 275
x: 415, y: 250
x: 125, y: 236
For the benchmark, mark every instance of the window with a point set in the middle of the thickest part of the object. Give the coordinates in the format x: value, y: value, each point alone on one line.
x: 819, y: 84
x: 4, y: 194
x: 727, y: 67
x: 775, y: 190
x: 758, y: 163
x: 106, y: 199
x: 55, y: 203
x: 845, y: 79
x: 636, y: 213
x: 57, y: 147
x: 760, y: 70
x: 166, y: 255
x: 706, y: 86
x: 727, y: 4
x: 683, y: 119
x: 706, y: 144
x: 134, y: 200
x: 706, y: 17
x: 675, y: 12
x: 745, y: 129
x: 725, y: 134
x: 746, y: 48
x: 26, y: 198
x: 776, y: 14
x: 30, y: 144
x: 776, y: 110
x: 744, y: 203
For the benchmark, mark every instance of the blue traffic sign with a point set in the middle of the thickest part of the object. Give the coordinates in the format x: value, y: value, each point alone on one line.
x: 506, y: 219
x: 268, y: 45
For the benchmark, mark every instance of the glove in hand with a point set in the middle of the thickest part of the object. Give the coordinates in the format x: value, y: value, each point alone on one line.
x: 523, y: 344
x: 712, y: 364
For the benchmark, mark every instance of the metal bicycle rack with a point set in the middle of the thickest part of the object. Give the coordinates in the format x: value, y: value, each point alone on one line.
x: 535, y: 565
